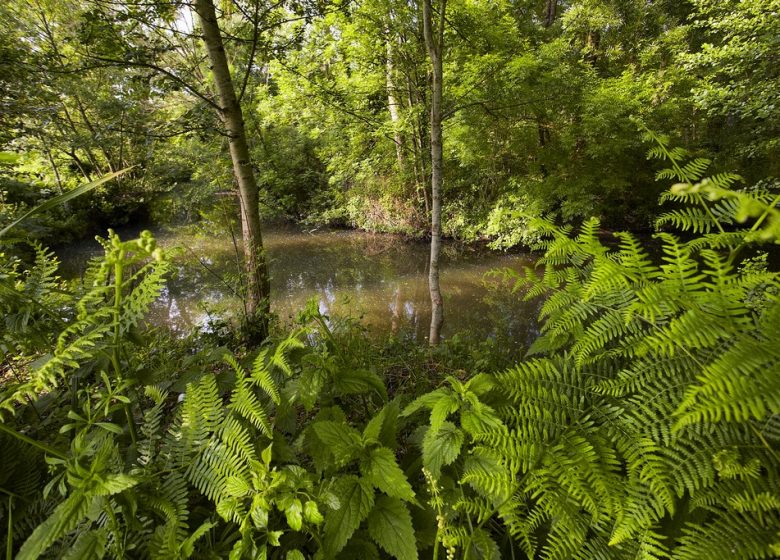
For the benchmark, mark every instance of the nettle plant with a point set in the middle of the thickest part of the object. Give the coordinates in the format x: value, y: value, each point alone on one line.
x: 645, y: 422
x: 254, y: 458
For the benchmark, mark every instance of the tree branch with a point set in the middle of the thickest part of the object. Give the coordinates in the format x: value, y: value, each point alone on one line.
x: 189, y: 87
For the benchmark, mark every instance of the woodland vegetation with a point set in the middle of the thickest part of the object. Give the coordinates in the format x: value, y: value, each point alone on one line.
x: 633, y: 144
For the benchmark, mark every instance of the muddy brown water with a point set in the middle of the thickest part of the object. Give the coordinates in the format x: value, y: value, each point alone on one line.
x: 381, y: 279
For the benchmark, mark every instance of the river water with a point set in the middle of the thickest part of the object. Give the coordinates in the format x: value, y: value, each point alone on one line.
x: 379, y: 278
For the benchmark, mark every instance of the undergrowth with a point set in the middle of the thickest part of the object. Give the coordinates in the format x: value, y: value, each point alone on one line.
x: 643, y: 423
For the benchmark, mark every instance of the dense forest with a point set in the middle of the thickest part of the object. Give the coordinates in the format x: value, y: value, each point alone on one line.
x: 628, y: 149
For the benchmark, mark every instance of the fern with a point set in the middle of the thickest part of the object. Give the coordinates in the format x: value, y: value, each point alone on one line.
x: 636, y: 429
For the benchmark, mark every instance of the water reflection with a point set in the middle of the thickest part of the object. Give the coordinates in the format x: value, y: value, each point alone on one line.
x: 380, y: 278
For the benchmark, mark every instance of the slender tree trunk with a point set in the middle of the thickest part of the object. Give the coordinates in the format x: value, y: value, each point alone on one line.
x: 435, y: 46
x: 549, y: 12
x: 417, y: 148
x: 392, y: 105
x: 544, y: 138
x: 258, y: 288
x: 56, y: 171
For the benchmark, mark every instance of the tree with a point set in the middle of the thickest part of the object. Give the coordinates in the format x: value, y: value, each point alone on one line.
x: 434, y: 40
x: 739, y: 84
x: 258, y: 286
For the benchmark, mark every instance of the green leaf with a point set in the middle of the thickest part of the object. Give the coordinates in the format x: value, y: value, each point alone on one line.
x: 8, y: 158
x: 382, y: 427
x: 359, y: 381
x: 343, y: 441
x: 273, y: 537
x: 481, y: 384
x: 360, y: 548
x: 116, y: 483
x: 441, y: 448
x: 294, y: 514
x: 384, y: 473
x: 390, y: 525
x: 91, y: 544
x: 109, y: 427
x: 295, y: 554
x: 65, y: 518
x: 442, y: 409
x: 266, y: 455
x: 312, y: 513
x: 236, y: 486
x: 479, y: 418
x: 374, y: 427
x: 63, y: 198
x: 483, y: 546
x: 357, y: 499
x: 426, y: 401
x: 188, y: 546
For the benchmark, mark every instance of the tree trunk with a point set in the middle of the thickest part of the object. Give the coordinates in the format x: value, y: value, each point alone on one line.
x: 549, y: 12
x: 418, y: 138
x: 435, y: 46
x: 258, y: 288
x: 392, y: 104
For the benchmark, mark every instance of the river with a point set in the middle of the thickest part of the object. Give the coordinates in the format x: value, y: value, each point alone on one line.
x: 381, y: 279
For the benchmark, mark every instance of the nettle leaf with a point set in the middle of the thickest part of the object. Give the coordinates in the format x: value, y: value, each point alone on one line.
x: 390, y: 525
x: 343, y: 441
x: 359, y: 548
x: 427, y: 400
x: 357, y: 499
x: 441, y: 448
x: 481, y: 384
x: 320, y: 452
x: 382, y: 427
x: 374, y: 427
x: 442, y: 409
x: 114, y: 484
x: 65, y: 517
x: 479, y: 418
x: 236, y: 486
x: 384, y: 473
x: 354, y: 382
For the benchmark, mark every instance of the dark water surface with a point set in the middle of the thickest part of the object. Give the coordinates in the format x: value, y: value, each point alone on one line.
x: 381, y: 278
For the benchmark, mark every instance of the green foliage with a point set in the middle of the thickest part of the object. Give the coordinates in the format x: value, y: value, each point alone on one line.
x: 642, y: 423
x: 225, y: 467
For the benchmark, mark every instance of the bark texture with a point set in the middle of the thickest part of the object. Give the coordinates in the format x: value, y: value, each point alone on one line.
x: 434, y: 41
x: 257, y: 303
